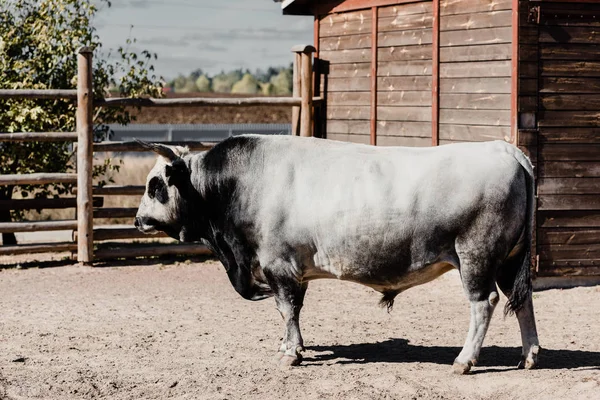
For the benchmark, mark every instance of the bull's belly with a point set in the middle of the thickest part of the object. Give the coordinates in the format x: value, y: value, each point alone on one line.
x: 383, y: 278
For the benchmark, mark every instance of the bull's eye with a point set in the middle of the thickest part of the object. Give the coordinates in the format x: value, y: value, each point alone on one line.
x: 158, y: 190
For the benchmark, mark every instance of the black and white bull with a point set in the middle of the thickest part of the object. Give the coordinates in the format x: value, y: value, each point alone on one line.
x: 280, y: 211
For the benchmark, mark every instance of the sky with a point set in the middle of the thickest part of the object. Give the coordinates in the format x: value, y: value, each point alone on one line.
x: 211, y: 35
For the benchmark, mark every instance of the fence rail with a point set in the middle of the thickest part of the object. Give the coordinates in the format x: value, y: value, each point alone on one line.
x: 89, y: 207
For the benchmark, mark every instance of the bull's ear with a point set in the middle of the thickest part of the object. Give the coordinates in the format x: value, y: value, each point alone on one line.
x: 177, y: 174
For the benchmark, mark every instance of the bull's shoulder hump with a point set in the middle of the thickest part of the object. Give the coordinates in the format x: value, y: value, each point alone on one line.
x: 230, y: 150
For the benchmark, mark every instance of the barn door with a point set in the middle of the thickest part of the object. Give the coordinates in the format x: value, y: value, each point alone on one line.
x: 568, y: 236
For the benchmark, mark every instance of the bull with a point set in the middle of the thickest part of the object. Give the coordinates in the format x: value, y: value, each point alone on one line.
x: 280, y: 211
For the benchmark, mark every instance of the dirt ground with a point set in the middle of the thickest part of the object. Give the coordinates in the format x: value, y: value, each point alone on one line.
x: 178, y: 330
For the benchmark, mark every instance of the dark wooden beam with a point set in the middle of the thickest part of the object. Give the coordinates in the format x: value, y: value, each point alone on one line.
x: 435, y: 75
x: 373, y: 130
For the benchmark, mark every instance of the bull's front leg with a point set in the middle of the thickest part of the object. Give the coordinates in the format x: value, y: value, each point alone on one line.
x: 289, y: 298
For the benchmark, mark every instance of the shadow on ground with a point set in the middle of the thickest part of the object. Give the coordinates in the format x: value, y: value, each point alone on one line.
x: 401, y: 351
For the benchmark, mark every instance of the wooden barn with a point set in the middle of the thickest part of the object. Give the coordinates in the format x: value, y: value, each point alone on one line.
x: 428, y: 73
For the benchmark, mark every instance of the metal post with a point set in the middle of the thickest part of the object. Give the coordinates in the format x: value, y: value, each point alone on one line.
x: 85, y: 108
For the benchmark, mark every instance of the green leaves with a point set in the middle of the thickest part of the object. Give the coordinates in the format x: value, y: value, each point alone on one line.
x: 39, y: 40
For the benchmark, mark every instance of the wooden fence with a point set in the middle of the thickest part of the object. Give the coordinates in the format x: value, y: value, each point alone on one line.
x: 88, y: 196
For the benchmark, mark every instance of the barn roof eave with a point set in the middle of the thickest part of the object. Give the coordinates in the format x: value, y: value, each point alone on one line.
x: 296, y: 7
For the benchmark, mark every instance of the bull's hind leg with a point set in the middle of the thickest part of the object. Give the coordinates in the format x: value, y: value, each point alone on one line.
x: 480, y: 288
x: 529, y: 336
x: 289, y: 299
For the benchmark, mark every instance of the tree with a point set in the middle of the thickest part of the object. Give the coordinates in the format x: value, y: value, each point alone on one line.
x: 223, y: 82
x: 203, y: 84
x: 282, y: 83
x: 247, y: 85
x: 38, y: 46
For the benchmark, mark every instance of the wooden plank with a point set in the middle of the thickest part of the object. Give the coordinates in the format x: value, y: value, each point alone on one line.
x: 136, y: 147
x: 151, y: 251
x: 405, y: 22
x: 576, y: 68
x: 38, y: 248
x: 404, y: 38
x: 354, y: 70
x: 475, y: 85
x: 51, y: 94
x: 478, y: 20
x: 528, y: 69
x: 570, y: 102
x: 354, y: 16
x: 586, y: 270
x: 528, y: 53
x: 404, y: 141
x: 38, y: 136
x: 119, y: 190
x: 359, y: 84
x: 570, y: 169
x: 569, y: 236
x: 112, y: 233
x: 570, y: 34
x: 198, y: 101
x: 402, y: 10
x: 569, y: 51
x: 472, y: 69
x: 404, y: 129
x: 44, y: 203
x: 573, y: 253
x: 488, y: 52
x: 355, y: 26
x: 553, y: 118
x: 452, y: 7
x: 41, y: 178
x: 343, y: 137
x: 349, y: 99
x: 404, y: 98
x: 326, y: 7
x: 569, y: 186
x: 569, y: 202
x: 404, y: 68
x: 346, y: 127
x: 527, y: 138
x: 415, y: 114
x: 569, y: 219
x: 473, y: 133
x: 476, y: 37
x: 475, y: 117
x: 404, y: 53
x: 569, y: 85
x: 346, y: 56
x: 37, y: 226
x: 528, y: 103
x: 569, y: 152
x: 532, y: 153
x: 345, y: 42
x: 116, y: 212
x: 349, y: 112
x: 528, y: 86
x: 411, y: 83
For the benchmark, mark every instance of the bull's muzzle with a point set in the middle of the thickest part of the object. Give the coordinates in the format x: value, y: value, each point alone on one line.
x: 146, y: 224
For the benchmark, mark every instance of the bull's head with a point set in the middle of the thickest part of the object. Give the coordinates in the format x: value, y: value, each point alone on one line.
x: 165, y: 204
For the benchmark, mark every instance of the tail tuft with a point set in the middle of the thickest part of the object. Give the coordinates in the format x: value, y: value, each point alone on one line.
x: 388, y: 299
x: 521, y: 287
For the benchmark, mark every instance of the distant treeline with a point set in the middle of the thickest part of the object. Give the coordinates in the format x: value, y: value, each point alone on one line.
x: 275, y: 81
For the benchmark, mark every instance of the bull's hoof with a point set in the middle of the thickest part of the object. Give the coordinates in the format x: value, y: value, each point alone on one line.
x: 461, y: 368
x: 290, y: 361
x: 531, y: 361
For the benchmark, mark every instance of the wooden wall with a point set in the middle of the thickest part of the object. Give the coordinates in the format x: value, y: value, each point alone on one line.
x: 345, y: 45
x: 475, y: 70
x: 404, y: 66
x: 569, y: 140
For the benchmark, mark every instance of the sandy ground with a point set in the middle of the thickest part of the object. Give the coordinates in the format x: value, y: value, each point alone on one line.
x: 180, y: 331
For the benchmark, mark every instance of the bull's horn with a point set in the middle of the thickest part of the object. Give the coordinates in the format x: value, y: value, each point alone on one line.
x: 160, y: 149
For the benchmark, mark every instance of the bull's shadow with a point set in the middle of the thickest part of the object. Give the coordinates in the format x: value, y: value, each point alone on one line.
x: 492, y: 358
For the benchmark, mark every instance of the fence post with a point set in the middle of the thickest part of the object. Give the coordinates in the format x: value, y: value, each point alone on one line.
x: 85, y: 223
x: 297, y: 83
x: 306, y: 87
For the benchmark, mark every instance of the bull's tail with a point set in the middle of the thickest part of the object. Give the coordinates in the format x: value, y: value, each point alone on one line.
x: 521, y: 274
